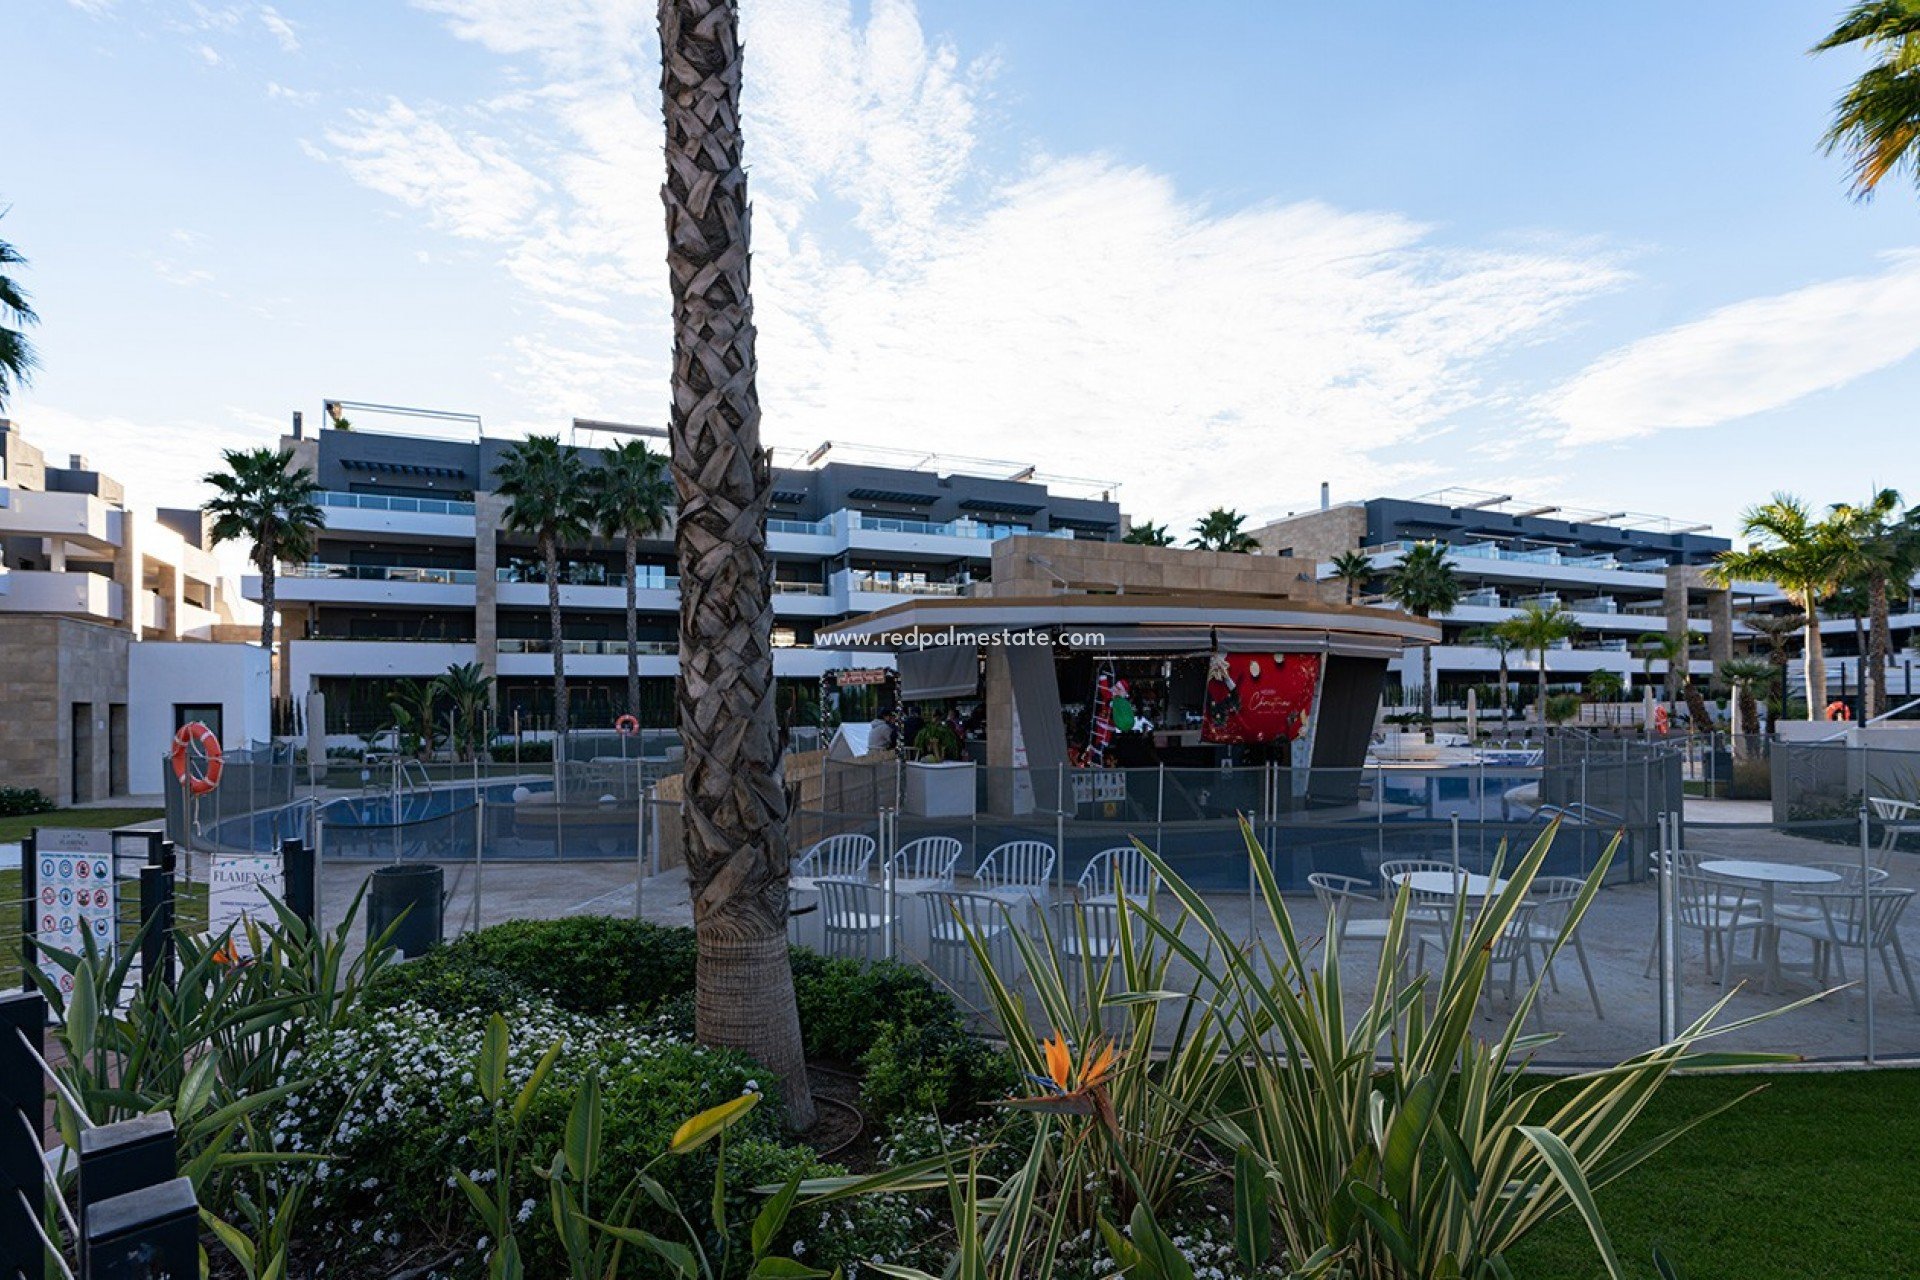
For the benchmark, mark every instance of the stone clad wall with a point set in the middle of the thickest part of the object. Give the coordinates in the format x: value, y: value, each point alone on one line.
x: 1034, y: 566
x: 47, y: 665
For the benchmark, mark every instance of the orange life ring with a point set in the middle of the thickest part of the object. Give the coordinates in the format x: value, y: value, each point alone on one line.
x: 1839, y: 710
x: 626, y: 726
x: 206, y: 776
x: 1661, y: 720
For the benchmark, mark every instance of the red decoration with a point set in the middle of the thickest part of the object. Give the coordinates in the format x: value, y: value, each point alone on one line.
x: 1259, y: 697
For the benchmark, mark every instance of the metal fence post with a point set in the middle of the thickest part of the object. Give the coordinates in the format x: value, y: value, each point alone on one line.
x: 1160, y: 811
x: 296, y: 863
x: 23, y: 1185
x: 479, y: 852
x: 640, y: 853
x: 156, y: 924
x: 1665, y: 932
x: 1866, y: 927
x: 153, y: 1231
x: 29, y: 907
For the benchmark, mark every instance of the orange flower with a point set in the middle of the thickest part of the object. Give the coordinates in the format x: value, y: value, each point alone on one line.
x: 1094, y: 1072
x: 1059, y: 1061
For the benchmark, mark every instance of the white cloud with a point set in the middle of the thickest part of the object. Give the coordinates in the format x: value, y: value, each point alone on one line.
x: 281, y: 93
x: 279, y: 28
x: 1081, y: 313
x: 209, y: 55
x: 1747, y: 358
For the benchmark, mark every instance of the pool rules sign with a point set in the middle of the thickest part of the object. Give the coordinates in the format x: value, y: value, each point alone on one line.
x: 74, y: 897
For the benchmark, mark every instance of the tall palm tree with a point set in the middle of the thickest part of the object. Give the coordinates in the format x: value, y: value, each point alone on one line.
x: 1606, y: 686
x: 1423, y: 583
x: 1220, y: 530
x: 1352, y: 570
x: 263, y: 498
x: 1803, y: 556
x: 545, y: 486
x: 17, y: 358
x: 737, y: 854
x: 1881, y: 546
x: 1502, y: 644
x: 1536, y: 629
x: 1775, y: 630
x: 632, y: 499
x: 1148, y: 535
x: 1877, y: 120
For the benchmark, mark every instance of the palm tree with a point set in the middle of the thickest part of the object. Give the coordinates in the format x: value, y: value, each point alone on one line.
x: 1744, y: 675
x: 1536, y: 629
x: 632, y: 498
x: 1776, y: 629
x: 263, y: 498
x: 17, y: 358
x: 1881, y: 546
x: 544, y: 484
x: 1677, y: 652
x: 470, y: 689
x: 1219, y: 530
x: 414, y: 704
x: 1353, y: 570
x: 1877, y: 120
x: 1423, y: 583
x: 1148, y: 535
x: 737, y: 854
x: 1606, y: 686
x: 1501, y: 643
x: 1801, y: 555
x: 1852, y: 600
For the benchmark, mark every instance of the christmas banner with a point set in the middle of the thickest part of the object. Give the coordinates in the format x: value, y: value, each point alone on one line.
x: 1259, y: 697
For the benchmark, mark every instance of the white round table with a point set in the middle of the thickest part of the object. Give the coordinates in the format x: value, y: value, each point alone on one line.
x: 1767, y: 877
x: 1449, y: 884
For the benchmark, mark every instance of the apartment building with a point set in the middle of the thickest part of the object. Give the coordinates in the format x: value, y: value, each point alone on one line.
x: 97, y: 603
x: 1621, y: 575
x: 416, y: 570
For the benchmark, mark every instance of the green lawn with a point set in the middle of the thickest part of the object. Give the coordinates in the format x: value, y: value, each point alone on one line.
x: 1814, y: 1177
x: 13, y: 829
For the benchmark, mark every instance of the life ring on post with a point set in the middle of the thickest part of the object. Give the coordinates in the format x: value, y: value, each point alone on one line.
x: 626, y: 726
x: 202, y: 775
x: 1661, y: 720
x: 1839, y: 710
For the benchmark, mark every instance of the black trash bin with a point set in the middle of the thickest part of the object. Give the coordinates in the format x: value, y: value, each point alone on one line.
x: 412, y: 896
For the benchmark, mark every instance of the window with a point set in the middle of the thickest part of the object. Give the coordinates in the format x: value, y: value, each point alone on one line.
x: 208, y: 714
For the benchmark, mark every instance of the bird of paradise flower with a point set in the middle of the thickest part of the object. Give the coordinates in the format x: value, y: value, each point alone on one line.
x: 1074, y: 1089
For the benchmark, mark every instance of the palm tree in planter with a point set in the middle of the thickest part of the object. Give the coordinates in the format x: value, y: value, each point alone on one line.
x: 1423, y: 583
x: 469, y: 689
x: 1877, y: 121
x: 632, y: 499
x: 264, y: 499
x: 17, y: 358
x: 1776, y: 630
x: 735, y: 805
x: 1744, y: 676
x: 1220, y: 530
x: 1535, y: 630
x: 1677, y: 652
x: 1352, y: 570
x: 1502, y: 644
x: 1805, y: 557
x: 545, y: 485
x: 1148, y: 535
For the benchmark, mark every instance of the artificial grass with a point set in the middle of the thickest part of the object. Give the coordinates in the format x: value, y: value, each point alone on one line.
x: 18, y: 828
x: 1813, y: 1177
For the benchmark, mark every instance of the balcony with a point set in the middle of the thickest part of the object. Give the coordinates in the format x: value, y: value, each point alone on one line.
x: 74, y: 517
x: 79, y: 595
x: 424, y: 586
x: 379, y: 573
x: 333, y: 498
x: 589, y: 648
x: 383, y: 513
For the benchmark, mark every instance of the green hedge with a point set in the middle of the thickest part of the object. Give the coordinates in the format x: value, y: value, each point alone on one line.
x: 16, y: 802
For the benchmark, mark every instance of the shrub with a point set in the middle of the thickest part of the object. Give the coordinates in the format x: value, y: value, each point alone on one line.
x: 540, y: 752
x: 586, y: 964
x: 18, y: 801
x: 932, y: 1068
x: 844, y: 1003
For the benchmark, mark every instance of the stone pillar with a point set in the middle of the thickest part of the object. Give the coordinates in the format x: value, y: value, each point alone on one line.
x: 489, y: 514
x: 1720, y: 618
x: 1678, y: 597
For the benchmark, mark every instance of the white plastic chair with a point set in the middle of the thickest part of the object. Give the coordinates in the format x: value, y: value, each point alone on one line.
x: 1343, y: 898
x: 1898, y: 818
x: 1863, y: 924
x: 951, y: 918
x: 853, y: 915
x: 1718, y: 912
x: 841, y: 857
x: 1086, y: 939
x: 1017, y: 864
x: 1555, y: 897
x: 1118, y: 868
x: 930, y: 858
x: 1804, y: 902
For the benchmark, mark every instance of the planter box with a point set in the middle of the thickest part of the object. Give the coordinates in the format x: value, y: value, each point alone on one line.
x: 943, y: 790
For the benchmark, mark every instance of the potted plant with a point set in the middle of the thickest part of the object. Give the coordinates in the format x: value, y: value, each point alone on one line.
x: 937, y: 783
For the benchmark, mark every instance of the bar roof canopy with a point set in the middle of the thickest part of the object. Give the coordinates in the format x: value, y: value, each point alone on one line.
x: 1170, y: 624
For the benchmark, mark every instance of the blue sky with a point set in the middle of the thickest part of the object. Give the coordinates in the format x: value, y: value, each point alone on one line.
x: 1590, y: 254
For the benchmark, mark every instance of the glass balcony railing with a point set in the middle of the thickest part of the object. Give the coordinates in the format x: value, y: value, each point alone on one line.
x: 650, y: 577
x: 387, y: 502
x: 589, y: 648
x: 380, y: 573
x: 904, y: 586
x: 814, y: 527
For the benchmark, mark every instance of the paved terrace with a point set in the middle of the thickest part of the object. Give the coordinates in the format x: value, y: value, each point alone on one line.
x: 1618, y: 932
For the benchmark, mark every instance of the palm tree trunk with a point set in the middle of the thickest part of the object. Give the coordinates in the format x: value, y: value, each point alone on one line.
x: 1860, y: 663
x: 1540, y: 675
x: 633, y: 627
x: 266, y: 604
x: 735, y: 802
x: 1815, y: 658
x: 1505, y: 677
x: 550, y: 553
x: 1426, y: 687
x: 1879, y: 645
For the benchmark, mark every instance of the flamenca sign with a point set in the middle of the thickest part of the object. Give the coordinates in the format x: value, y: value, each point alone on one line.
x: 237, y: 889
x: 75, y: 896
